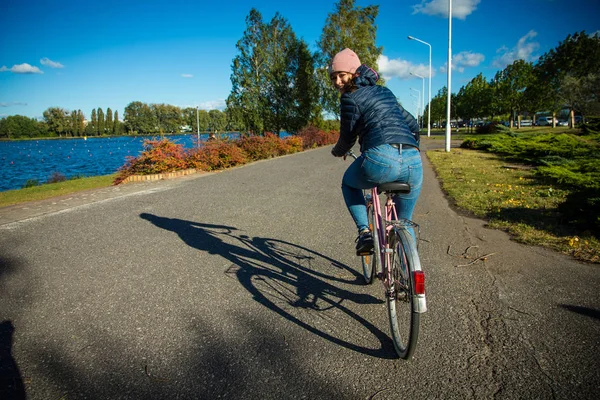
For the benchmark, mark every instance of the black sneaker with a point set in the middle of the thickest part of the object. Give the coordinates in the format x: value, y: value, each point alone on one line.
x: 364, y: 243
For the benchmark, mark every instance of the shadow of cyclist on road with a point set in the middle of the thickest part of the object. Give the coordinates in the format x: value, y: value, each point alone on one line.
x: 11, y: 383
x: 282, y: 276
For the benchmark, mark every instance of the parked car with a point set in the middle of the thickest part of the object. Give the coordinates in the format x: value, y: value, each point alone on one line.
x: 563, y: 122
x: 526, y: 122
x: 545, y: 121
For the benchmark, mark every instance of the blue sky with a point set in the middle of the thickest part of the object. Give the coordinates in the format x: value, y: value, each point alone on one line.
x: 87, y: 54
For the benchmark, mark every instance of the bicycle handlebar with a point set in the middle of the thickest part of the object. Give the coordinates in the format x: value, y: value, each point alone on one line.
x: 351, y: 153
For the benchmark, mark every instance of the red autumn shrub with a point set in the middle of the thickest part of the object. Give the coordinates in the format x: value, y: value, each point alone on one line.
x: 165, y: 156
x: 216, y: 155
x: 159, y: 155
x: 262, y: 147
x: 314, y: 137
x: 254, y: 147
x: 293, y: 144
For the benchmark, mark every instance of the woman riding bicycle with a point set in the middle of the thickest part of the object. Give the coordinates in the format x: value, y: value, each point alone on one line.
x: 388, y: 136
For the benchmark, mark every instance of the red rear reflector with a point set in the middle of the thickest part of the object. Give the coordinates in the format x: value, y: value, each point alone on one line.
x: 419, y: 279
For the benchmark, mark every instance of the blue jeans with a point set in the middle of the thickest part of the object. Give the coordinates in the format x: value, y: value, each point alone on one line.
x: 377, y: 165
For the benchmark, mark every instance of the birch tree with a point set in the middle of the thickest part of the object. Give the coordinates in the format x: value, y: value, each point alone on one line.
x: 352, y: 27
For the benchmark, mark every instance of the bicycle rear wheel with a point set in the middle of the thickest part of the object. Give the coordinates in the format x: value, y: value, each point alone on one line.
x: 404, y: 306
x: 370, y: 262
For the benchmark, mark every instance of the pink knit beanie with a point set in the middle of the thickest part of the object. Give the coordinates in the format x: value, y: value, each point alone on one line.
x: 344, y: 61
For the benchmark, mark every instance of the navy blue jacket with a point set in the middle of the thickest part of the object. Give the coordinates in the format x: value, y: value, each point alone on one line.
x: 372, y: 115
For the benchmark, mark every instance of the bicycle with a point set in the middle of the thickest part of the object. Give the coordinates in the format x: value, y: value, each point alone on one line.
x: 396, y: 260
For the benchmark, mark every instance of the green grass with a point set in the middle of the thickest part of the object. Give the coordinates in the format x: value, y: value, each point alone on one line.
x: 50, y: 190
x: 513, y: 198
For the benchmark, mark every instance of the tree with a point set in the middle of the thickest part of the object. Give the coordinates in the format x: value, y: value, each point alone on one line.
x: 290, y: 86
x: 92, y: 127
x: 204, y: 120
x: 57, y: 119
x: 73, y: 125
x: 16, y: 126
x: 80, y: 123
x: 234, y: 119
x: 580, y: 94
x: 282, y: 39
x: 271, y: 77
x: 306, y: 108
x: 167, y: 117
x: 101, y: 123
x: 217, y: 120
x: 277, y: 96
x: 139, y: 118
x: 477, y: 99
x: 116, y: 124
x: 249, y: 74
x: 109, y: 121
x: 438, y: 106
x: 188, y: 117
x: 577, y: 56
x: 511, y: 84
x: 352, y: 27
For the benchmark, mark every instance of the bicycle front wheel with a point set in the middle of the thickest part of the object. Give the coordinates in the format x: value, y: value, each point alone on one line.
x: 402, y: 303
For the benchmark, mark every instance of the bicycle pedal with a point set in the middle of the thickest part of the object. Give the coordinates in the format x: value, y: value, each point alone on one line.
x: 365, y: 253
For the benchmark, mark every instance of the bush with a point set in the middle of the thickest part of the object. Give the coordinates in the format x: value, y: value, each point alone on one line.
x: 269, y: 145
x: 313, y: 137
x: 57, y: 177
x: 293, y: 144
x: 165, y: 156
x: 31, y: 183
x: 492, y: 127
x: 216, y: 155
x: 569, y: 160
x: 582, y: 209
x: 159, y: 155
x: 261, y: 147
x: 591, y: 126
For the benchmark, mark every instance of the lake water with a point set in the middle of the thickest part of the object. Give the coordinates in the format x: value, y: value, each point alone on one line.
x: 23, y: 160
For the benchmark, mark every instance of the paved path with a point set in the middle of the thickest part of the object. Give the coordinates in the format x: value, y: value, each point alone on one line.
x: 242, y: 284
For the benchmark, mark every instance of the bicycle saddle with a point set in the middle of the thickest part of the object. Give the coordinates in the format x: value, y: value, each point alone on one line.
x: 394, y: 187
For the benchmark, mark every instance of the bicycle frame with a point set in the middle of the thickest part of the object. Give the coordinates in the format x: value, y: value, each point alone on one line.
x: 383, y: 231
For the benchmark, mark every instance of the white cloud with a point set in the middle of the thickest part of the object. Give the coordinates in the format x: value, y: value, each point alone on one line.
x: 460, y: 8
x: 187, y: 75
x: 212, y: 105
x: 22, y: 69
x: 400, y: 68
x: 464, y: 59
x: 12, y: 103
x: 522, y: 51
x: 49, y: 63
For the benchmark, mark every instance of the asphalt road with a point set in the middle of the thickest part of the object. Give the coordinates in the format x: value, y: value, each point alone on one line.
x: 242, y: 284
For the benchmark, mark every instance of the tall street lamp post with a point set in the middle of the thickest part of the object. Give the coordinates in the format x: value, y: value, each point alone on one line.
x: 423, y: 97
x: 429, y: 103
x: 449, y: 101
